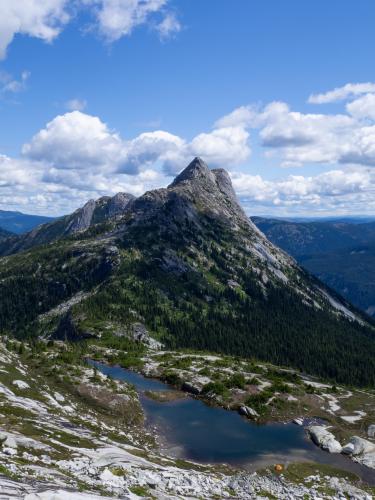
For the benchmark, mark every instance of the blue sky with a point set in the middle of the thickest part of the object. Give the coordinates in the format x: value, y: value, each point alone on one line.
x: 132, y: 90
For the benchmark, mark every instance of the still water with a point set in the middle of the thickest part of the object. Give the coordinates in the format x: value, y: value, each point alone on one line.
x: 190, y: 429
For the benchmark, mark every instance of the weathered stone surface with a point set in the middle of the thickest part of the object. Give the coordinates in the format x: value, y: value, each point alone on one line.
x: 325, y: 439
x: 21, y: 384
x: 361, y: 446
x: 298, y: 421
x: 361, y: 450
x: 348, y: 449
x: 190, y: 387
x: 81, y: 219
x: 140, y: 333
x: 248, y: 412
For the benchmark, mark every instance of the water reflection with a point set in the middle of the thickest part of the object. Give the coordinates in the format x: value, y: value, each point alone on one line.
x: 188, y: 428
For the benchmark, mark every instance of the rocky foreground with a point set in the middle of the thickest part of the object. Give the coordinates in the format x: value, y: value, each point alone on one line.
x: 67, y: 432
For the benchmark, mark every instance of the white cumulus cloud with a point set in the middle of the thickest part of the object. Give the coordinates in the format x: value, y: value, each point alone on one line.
x: 42, y: 19
x: 113, y: 19
x: 348, y: 91
x: 169, y: 26
x: 224, y: 146
x: 304, y: 138
x: 77, y: 141
x: 363, y: 107
x: 296, y: 138
x: 335, y: 191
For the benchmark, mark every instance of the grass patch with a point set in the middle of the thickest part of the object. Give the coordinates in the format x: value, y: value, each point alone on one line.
x: 297, y: 472
x: 6, y: 472
x: 141, y: 491
x: 16, y: 411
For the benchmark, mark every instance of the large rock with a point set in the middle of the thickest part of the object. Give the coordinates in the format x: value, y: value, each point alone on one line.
x: 191, y: 388
x: 7, y: 441
x: 371, y: 431
x: 248, y: 412
x: 362, y: 451
x: 348, y: 449
x: 325, y: 439
x: 359, y: 446
x: 298, y: 421
x: 140, y: 333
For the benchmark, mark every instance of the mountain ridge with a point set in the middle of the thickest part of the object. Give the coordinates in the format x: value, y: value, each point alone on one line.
x: 93, y: 212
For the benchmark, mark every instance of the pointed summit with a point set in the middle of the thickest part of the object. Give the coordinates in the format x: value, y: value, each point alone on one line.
x: 196, y: 170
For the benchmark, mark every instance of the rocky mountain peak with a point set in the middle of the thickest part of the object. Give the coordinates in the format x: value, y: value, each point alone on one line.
x: 197, y: 170
x: 198, y: 175
x: 118, y: 203
x: 212, y: 191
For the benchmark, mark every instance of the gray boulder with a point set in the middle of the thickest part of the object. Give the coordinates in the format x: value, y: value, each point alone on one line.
x: 140, y: 333
x: 325, y: 439
x: 248, y: 412
x: 359, y: 446
x: 191, y: 388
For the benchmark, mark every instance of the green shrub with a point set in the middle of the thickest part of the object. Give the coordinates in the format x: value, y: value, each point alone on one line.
x: 279, y: 386
x: 258, y: 401
x: 310, y: 389
x: 217, y: 388
x: 206, y: 372
x: 172, y: 378
x: 236, y: 380
x: 182, y: 363
x: 252, y: 381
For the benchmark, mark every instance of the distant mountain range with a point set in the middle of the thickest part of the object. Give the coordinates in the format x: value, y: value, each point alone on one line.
x: 17, y: 222
x: 355, y: 219
x: 341, y: 254
x: 188, y: 263
x: 93, y: 212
